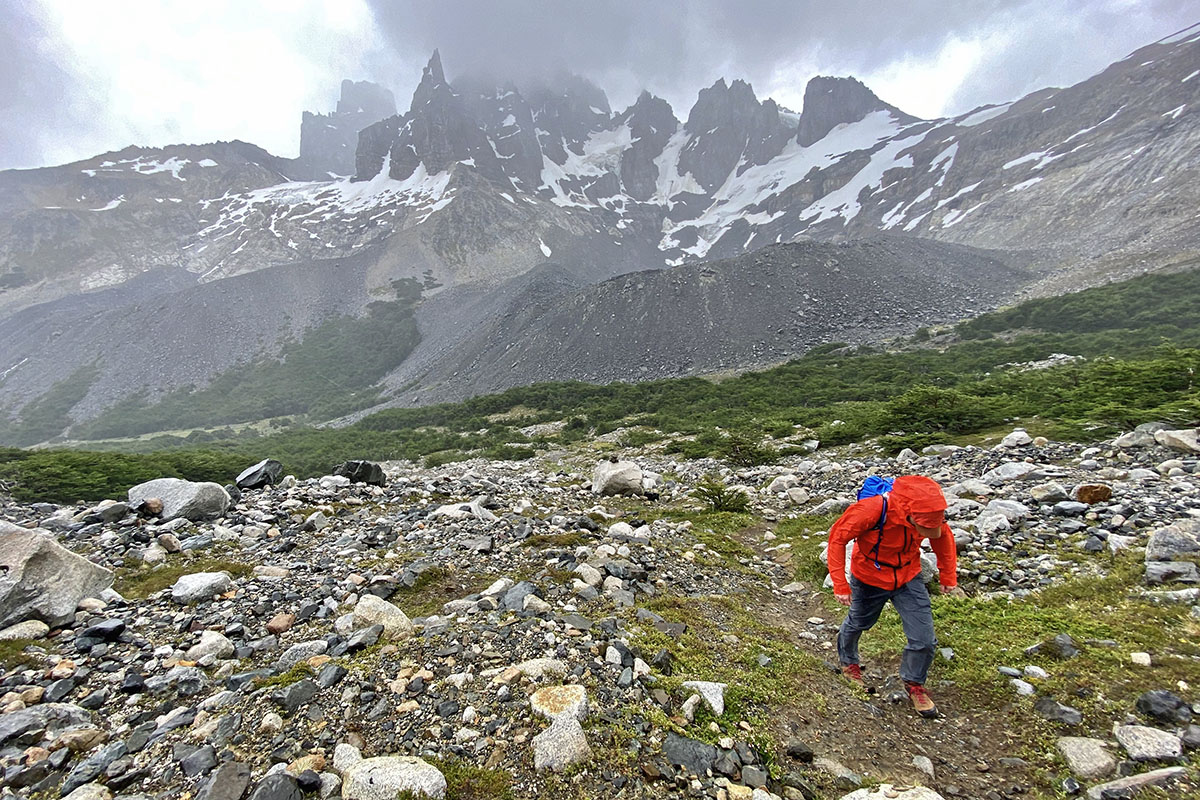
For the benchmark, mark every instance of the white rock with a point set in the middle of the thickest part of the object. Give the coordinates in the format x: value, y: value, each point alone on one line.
x: 385, y: 777
x: 41, y: 579
x: 1149, y: 744
x: 183, y: 499
x: 1140, y: 659
x: 90, y: 791
x: 712, y: 692
x: 1087, y: 758
x: 344, y: 757
x: 560, y: 745
x: 29, y: 629
x: 211, y: 643
x: 1018, y: 438
x: 888, y: 792
x: 200, y: 586
x: 619, y: 477
x: 1184, y: 440
x: 373, y: 610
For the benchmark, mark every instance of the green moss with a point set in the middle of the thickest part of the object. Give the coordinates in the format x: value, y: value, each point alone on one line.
x: 465, y: 781
x: 13, y: 655
x: 297, y: 673
x: 141, y: 582
x: 434, y: 588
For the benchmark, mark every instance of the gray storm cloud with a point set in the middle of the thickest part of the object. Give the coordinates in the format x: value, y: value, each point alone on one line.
x: 53, y: 110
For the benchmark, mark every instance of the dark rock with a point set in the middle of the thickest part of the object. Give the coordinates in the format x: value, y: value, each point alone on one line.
x: 727, y: 764
x: 696, y: 757
x: 290, y: 698
x: 799, y: 750
x: 90, y: 768
x: 134, y: 683
x: 265, y: 473
x: 58, y: 690
x: 754, y: 776
x: 362, y: 472
x: 308, y: 781
x: 359, y: 640
x: 280, y: 786
x: 829, y: 102
x: 1054, y: 711
x: 1164, y: 707
x: 331, y: 674
x: 199, y: 762
x: 107, y: 631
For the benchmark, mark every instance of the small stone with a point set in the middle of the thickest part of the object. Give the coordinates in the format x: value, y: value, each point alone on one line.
x: 1140, y: 659
x: 281, y: 623
x: 561, y: 745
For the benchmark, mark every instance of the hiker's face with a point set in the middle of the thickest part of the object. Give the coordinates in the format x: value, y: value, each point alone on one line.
x: 928, y: 533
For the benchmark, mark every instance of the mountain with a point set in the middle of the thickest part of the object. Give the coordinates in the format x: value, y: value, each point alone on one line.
x: 328, y: 142
x: 501, y: 198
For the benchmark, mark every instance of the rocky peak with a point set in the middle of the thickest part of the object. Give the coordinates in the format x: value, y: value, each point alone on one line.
x: 364, y: 97
x: 830, y: 101
x: 652, y: 123
x: 567, y: 111
x: 438, y: 132
x: 728, y: 127
x: 507, y: 119
x: 328, y: 142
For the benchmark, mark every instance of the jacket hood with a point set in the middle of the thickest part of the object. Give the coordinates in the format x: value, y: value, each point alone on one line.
x: 917, y: 494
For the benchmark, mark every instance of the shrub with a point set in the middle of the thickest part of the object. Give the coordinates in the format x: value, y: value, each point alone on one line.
x: 722, y: 498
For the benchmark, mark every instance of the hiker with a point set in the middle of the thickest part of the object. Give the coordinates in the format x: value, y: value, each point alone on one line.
x: 887, y: 528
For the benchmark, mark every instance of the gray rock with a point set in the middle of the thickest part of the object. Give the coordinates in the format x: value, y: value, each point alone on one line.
x: 183, y: 499
x: 1130, y: 785
x: 1158, y: 572
x: 1054, y: 711
x: 1172, y: 542
x: 617, y: 477
x: 91, y: 767
x: 1087, y: 758
x: 41, y: 579
x: 200, y: 586
x: 211, y: 643
x: 385, y: 777
x: 291, y: 698
x: 889, y: 792
x: 229, y: 782
x: 49, y: 719
x: 713, y: 694
x: 1149, y: 744
x: 1165, y: 707
x: 561, y: 745
x: 1007, y: 472
x: 30, y: 629
x: 301, y: 651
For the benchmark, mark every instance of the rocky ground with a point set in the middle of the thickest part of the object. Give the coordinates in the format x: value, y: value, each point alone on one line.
x: 501, y: 629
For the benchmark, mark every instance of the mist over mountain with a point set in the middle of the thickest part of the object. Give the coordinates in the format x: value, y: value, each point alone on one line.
x: 514, y: 204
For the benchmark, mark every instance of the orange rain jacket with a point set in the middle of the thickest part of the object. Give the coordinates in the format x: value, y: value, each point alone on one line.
x: 899, y: 554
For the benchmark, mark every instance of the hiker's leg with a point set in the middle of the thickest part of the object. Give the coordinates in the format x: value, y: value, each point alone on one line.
x: 916, y: 615
x: 866, y: 602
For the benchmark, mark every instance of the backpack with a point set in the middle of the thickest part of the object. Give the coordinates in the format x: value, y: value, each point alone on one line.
x: 872, y: 486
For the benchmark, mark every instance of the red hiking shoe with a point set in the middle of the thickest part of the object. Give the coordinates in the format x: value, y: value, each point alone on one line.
x: 921, y: 700
x: 853, y: 673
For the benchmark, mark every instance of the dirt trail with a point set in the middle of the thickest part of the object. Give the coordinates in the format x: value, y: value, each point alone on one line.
x: 974, y: 753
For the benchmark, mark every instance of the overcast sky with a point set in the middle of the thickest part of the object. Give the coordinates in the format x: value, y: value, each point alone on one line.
x: 81, y: 77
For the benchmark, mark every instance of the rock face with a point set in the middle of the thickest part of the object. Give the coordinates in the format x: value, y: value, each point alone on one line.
x: 328, y: 141
x: 40, y: 579
x: 183, y: 499
x: 829, y: 102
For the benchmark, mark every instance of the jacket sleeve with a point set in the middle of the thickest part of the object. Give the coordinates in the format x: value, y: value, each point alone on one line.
x: 857, y: 520
x: 947, y: 557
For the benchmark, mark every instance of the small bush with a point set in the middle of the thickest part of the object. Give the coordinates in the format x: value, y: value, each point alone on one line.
x: 722, y: 498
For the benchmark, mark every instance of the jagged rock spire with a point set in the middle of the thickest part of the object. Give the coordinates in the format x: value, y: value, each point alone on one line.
x: 830, y: 101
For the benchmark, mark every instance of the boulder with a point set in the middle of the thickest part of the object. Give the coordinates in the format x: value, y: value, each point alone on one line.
x: 1141, y: 436
x: 1018, y: 438
x: 1183, y: 440
x: 385, y: 777
x: 362, y: 472
x: 1087, y: 758
x: 561, y: 745
x: 47, y: 720
x: 1174, y: 542
x: 887, y: 791
x: 200, y: 586
x: 182, y: 499
x: 265, y: 473
x: 41, y: 579
x: 617, y: 477
x: 374, y: 610
x: 1007, y: 472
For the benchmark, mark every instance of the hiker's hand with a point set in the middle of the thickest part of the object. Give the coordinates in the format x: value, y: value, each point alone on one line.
x: 844, y: 599
x: 955, y: 591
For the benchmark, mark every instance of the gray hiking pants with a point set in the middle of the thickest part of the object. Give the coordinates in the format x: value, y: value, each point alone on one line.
x: 916, y: 615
